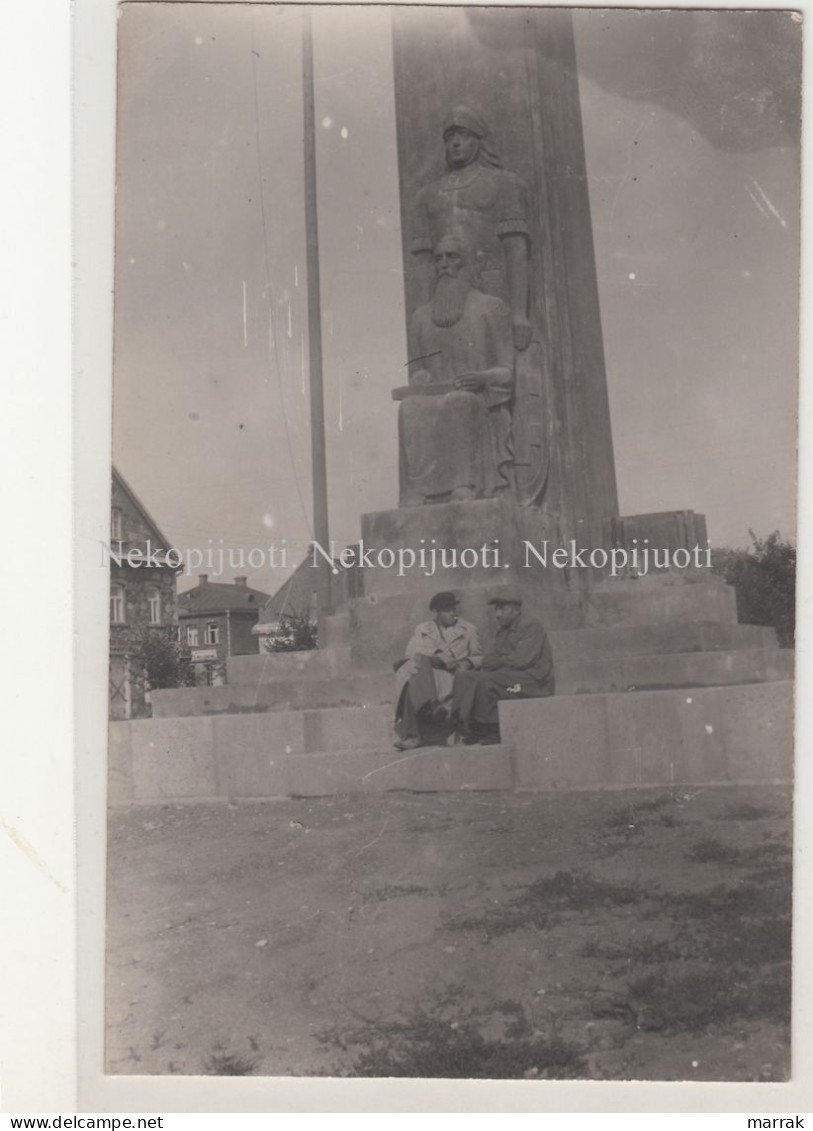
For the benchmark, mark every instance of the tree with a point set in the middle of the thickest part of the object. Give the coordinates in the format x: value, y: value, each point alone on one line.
x: 764, y: 578
x: 157, y: 661
x: 295, y: 632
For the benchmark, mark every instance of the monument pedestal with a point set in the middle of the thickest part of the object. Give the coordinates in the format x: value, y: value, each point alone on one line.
x: 656, y: 684
x: 474, y: 548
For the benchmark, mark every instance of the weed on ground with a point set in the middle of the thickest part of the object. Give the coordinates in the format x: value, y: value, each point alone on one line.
x: 224, y: 1062
x: 628, y: 935
x: 424, y: 1045
x: 550, y: 897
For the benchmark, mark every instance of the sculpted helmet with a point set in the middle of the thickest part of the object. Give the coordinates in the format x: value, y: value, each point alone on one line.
x: 467, y: 119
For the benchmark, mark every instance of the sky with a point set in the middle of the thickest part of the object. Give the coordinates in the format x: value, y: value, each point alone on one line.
x: 690, y: 125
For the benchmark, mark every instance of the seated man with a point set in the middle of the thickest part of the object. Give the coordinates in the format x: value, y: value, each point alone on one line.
x: 520, y: 666
x: 437, y: 650
x: 454, y: 424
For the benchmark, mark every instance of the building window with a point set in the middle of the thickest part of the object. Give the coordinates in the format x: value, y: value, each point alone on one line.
x: 212, y: 634
x: 192, y: 637
x: 117, y: 605
x: 154, y: 605
x: 176, y: 633
x: 116, y: 525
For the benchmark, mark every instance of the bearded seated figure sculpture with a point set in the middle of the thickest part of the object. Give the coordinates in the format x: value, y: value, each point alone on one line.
x: 454, y: 420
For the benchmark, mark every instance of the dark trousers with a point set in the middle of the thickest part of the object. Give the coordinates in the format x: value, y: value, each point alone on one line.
x: 477, y: 694
x: 413, y: 711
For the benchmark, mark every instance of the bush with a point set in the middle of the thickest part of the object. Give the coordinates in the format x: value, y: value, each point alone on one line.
x: 765, y: 580
x: 157, y: 661
x: 295, y: 632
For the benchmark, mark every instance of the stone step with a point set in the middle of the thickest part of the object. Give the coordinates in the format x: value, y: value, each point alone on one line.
x: 595, y: 675
x: 679, y: 669
x: 242, y: 698
x: 431, y: 769
x: 569, y: 644
x: 281, y: 667
x: 650, y: 601
x: 711, y: 734
x: 381, y: 625
x: 707, y: 735
x: 658, y: 639
x: 278, y: 732
x: 199, y: 759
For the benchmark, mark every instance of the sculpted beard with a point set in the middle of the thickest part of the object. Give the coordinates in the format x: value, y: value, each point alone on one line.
x: 449, y: 299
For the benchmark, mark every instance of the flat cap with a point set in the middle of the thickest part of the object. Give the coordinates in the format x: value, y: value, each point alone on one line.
x: 507, y: 596
x: 443, y: 602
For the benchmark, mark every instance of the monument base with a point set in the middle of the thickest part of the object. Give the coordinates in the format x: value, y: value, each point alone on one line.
x: 656, y: 682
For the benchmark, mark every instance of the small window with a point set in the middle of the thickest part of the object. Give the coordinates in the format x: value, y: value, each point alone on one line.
x: 192, y: 637
x: 117, y: 605
x: 154, y: 605
x: 176, y: 633
x: 116, y: 524
x: 212, y: 634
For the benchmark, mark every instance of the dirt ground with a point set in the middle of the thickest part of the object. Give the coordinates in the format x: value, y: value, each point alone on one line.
x: 619, y: 935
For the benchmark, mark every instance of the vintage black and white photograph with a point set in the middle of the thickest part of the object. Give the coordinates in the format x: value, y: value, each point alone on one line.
x: 452, y: 550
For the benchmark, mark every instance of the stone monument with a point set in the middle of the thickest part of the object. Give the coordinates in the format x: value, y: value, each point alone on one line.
x: 504, y: 436
x: 490, y: 143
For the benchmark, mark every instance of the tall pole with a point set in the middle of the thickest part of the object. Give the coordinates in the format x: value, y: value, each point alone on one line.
x: 318, y: 449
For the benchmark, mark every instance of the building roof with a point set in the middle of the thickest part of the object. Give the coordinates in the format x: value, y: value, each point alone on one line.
x: 160, y: 539
x: 296, y: 595
x: 210, y: 597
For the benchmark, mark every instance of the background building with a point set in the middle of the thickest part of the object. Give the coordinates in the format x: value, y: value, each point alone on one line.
x: 215, y: 621
x: 298, y: 596
x: 142, y: 598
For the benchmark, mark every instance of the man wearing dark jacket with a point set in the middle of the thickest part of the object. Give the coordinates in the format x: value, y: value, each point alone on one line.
x: 519, y: 666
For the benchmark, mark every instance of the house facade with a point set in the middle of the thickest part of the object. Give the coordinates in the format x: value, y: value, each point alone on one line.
x: 215, y: 621
x: 142, y: 597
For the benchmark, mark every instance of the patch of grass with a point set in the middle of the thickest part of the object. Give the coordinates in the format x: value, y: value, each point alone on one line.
x: 634, y: 819
x: 564, y: 892
x: 223, y: 1062
x: 428, y: 1046
x: 749, y: 924
x: 621, y: 820
x: 654, y: 804
x: 735, y: 946
x: 579, y: 891
x: 709, y: 850
x: 394, y: 891
x: 713, y: 994
x: 647, y: 952
x: 745, y: 811
x: 671, y: 820
x: 630, y: 814
x: 723, y: 905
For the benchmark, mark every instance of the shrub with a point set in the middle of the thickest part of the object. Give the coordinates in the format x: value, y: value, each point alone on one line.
x: 764, y: 578
x: 157, y: 661
x: 295, y: 632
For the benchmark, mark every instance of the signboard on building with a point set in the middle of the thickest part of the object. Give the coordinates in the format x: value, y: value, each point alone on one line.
x: 199, y: 654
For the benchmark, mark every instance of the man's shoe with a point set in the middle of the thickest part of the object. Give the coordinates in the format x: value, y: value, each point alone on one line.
x: 407, y: 743
x: 485, y: 736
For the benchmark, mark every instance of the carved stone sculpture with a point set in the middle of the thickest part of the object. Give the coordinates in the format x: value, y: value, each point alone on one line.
x: 486, y: 205
x: 455, y: 417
